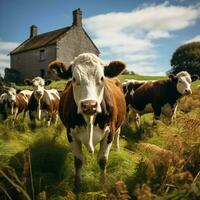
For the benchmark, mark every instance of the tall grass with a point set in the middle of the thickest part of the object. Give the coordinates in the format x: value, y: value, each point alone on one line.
x: 160, y: 162
x: 51, y: 163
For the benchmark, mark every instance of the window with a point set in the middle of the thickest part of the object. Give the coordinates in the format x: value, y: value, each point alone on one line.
x: 42, y: 54
x: 42, y: 73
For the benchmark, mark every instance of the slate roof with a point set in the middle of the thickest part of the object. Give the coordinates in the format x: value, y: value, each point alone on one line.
x: 40, y: 40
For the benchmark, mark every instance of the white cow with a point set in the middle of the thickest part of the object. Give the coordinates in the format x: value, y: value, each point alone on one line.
x: 43, y: 103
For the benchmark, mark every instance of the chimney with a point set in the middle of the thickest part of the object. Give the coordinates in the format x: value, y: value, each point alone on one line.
x: 77, y: 17
x: 33, y: 31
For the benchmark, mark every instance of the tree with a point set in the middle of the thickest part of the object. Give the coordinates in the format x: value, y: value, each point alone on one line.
x: 126, y: 72
x: 187, y: 58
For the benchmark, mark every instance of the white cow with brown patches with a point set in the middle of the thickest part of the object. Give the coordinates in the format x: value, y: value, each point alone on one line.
x: 15, y: 103
x: 43, y: 103
x: 92, y: 107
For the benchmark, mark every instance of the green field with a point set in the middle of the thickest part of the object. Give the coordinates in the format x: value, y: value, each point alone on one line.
x: 158, y: 162
x: 61, y: 83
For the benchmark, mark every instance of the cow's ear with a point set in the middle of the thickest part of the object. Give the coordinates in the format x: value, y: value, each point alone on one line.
x: 18, y: 91
x: 48, y: 82
x: 172, y: 77
x: 194, y: 77
x: 114, y: 69
x: 28, y: 82
x: 59, y: 69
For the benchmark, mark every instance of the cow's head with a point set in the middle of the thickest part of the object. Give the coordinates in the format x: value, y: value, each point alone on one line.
x: 11, y: 94
x: 183, y: 82
x: 10, y: 97
x: 38, y: 84
x: 88, y: 74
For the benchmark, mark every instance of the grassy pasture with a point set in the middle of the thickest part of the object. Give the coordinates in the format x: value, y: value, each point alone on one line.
x: 160, y: 162
x: 60, y: 84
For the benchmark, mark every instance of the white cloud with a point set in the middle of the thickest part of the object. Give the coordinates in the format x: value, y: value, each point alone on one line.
x: 147, y: 69
x: 5, y: 48
x: 131, y: 36
x: 194, y: 39
x: 140, y: 57
x: 6, y: 45
x: 4, y: 57
x: 158, y: 34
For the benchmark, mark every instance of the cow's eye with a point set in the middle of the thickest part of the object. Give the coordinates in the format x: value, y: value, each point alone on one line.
x: 100, y: 81
x: 74, y: 81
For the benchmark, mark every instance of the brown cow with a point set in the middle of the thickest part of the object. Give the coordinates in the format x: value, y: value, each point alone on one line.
x: 92, y: 107
x: 159, y: 97
x: 15, y: 103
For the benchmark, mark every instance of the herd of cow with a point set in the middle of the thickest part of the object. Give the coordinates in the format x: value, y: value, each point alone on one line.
x: 93, y: 104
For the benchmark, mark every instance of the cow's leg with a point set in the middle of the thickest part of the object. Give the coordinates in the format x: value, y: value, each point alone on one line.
x: 173, y: 117
x: 15, y: 113
x: 137, y: 121
x: 128, y: 112
x: 54, y: 118
x: 24, y: 115
x: 49, y: 119
x: 32, y: 119
x: 102, y: 157
x: 136, y: 118
x: 78, y: 162
x: 116, y: 138
x: 157, y: 112
x: 49, y: 122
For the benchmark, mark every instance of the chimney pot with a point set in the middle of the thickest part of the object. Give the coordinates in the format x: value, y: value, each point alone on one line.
x: 77, y: 17
x: 33, y: 31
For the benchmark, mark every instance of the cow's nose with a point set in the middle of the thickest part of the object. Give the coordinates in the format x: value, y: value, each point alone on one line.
x: 89, y: 107
x: 11, y: 101
x: 38, y: 93
x: 188, y: 91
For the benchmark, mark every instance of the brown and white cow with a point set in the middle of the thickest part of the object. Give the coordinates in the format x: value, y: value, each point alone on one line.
x: 159, y: 97
x: 92, y: 107
x: 14, y: 103
x: 43, y: 103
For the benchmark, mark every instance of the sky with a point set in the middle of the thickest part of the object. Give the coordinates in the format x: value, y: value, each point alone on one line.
x: 143, y: 34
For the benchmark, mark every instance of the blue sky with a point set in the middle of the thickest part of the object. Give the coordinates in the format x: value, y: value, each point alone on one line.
x: 143, y: 34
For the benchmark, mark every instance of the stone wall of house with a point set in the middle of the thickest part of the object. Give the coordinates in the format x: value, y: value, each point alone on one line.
x: 29, y: 63
x: 74, y: 43
x: 34, y: 62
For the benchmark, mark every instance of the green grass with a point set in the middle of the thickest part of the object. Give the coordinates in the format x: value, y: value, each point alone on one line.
x: 60, y: 84
x: 52, y: 161
x: 141, y: 77
x: 160, y: 162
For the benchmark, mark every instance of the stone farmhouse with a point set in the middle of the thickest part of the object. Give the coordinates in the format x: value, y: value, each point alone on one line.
x: 32, y: 57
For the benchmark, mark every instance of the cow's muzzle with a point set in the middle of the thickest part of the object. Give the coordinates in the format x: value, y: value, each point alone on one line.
x: 38, y: 94
x: 188, y: 92
x: 89, y: 107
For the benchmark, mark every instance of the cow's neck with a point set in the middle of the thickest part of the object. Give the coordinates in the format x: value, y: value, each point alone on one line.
x: 173, y: 93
